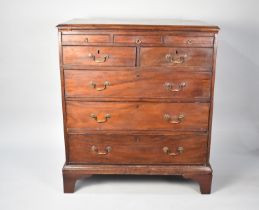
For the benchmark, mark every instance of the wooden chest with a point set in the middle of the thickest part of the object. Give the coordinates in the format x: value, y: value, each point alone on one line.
x: 137, y: 99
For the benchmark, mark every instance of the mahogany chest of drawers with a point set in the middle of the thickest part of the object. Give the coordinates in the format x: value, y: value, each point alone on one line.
x: 137, y: 99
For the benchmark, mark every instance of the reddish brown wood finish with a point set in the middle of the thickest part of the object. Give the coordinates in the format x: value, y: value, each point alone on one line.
x: 136, y: 116
x: 140, y: 39
x: 137, y: 61
x: 117, y: 56
x: 189, y: 41
x: 200, y: 173
x: 149, y: 25
x: 79, y: 39
x: 69, y: 180
x: 125, y: 85
x: 156, y: 56
x: 137, y: 149
x: 204, y: 181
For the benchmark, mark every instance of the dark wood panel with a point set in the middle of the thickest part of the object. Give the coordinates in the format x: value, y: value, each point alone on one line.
x: 137, y: 116
x: 138, y: 84
x: 89, y: 169
x: 139, y: 68
x: 85, y: 39
x: 138, y: 24
x: 189, y: 41
x: 169, y: 56
x: 138, y: 32
x: 114, y: 149
x: 199, y: 173
x: 137, y: 39
x: 99, y: 56
x: 212, y: 92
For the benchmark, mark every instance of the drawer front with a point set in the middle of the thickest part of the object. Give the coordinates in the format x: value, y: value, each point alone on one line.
x: 189, y: 41
x: 167, y: 56
x: 137, y: 39
x: 145, y: 84
x: 136, y: 116
x: 99, y: 56
x: 84, y: 39
x: 117, y: 149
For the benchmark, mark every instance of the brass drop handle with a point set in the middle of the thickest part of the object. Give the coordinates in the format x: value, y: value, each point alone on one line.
x: 175, y: 87
x: 107, y: 150
x: 106, y: 117
x: 167, y: 151
x: 86, y: 39
x: 105, y: 84
x: 99, y: 58
x: 174, y: 119
x: 175, y: 59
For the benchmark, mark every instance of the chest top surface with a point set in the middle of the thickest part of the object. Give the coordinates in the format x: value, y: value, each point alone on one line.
x: 140, y: 24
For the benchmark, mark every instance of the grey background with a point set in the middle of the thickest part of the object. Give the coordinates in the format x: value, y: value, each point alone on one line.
x: 31, y: 147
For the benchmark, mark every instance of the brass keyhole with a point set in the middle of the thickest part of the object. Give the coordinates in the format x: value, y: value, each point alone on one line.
x: 189, y: 41
x: 137, y: 139
x: 138, y: 41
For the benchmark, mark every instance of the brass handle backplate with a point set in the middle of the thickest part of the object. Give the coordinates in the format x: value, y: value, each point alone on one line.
x: 106, y: 117
x: 174, y: 119
x: 105, y: 84
x: 107, y: 150
x: 98, y: 58
x: 167, y: 151
x: 175, y: 87
x: 175, y: 59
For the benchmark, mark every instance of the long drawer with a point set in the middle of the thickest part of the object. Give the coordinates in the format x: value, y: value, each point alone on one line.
x: 137, y: 116
x: 126, y: 149
x: 171, y: 56
x: 137, y: 84
x: 99, y: 56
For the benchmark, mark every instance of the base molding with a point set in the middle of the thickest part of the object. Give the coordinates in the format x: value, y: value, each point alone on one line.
x: 199, y: 173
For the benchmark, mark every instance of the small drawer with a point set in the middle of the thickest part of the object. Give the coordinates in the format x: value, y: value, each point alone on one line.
x: 137, y: 116
x: 84, y: 39
x: 181, y: 57
x: 127, y: 85
x: 189, y: 41
x: 137, y: 39
x: 99, y: 56
x: 125, y: 149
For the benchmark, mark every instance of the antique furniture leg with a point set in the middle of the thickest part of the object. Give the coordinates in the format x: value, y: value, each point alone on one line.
x: 204, y: 181
x: 69, y: 180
